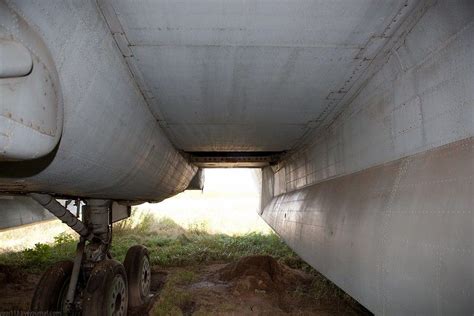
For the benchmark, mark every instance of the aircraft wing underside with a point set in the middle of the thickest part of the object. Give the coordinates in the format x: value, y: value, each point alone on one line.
x: 359, y: 113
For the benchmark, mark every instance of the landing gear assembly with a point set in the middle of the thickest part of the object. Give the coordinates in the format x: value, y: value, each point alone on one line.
x: 94, y: 283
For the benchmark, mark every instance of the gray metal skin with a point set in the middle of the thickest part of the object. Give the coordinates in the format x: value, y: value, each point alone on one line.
x: 416, y: 95
x: 346, y: 87
x: 111, y: 146
x: 396, y: 234
x: 397, y: 237
x: 248, y: 75
x: 21, y: 210
x: 31, y: 108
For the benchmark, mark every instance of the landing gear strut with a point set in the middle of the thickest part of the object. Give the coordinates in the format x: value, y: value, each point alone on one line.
x: 94, y: 283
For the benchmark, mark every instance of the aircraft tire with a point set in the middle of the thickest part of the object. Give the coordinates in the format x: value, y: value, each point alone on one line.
x: 50, y: 293
x: 107, y: 290
x: 137, y: 265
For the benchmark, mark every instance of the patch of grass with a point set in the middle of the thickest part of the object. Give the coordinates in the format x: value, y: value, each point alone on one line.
x: 200, y: 227
x: 322, y: 289
x: 173, y: 299
x: 39, y: 257
x: 197, y: 248
x: 172, y: 246
x: 139, y: 224
x: 184, y: 277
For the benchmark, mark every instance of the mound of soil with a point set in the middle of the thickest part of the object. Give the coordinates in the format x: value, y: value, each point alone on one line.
x: 261, y: 273
x: 255, y: 285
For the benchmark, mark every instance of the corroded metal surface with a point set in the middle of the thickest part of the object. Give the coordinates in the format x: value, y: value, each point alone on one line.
x: 397, y: 237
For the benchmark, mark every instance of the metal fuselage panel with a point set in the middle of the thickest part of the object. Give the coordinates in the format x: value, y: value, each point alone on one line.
x: 370, y: 103
x: 21, y: 210
x: 397, y: 237
x: 381, y: 199
x: 249, y: 75
x: 111, y: 146
x: 417, y: 97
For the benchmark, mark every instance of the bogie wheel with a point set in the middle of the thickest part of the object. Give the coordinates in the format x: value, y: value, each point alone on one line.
x: 137, y: 265
x: 106, y: 291
x: 50, y: 293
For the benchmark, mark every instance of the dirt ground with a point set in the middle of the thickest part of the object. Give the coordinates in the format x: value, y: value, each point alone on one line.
x: 255, y: 285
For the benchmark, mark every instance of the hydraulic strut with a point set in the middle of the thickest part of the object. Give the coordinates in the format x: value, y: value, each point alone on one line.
x: 49, y: 203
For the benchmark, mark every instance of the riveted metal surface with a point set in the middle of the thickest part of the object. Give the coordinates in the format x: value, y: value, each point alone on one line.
x: 244, y: 76
x: 31, y: 105
x: 420, y: 97
x: 397, y: 237
x: 112, y: 146
x: 348, y: 85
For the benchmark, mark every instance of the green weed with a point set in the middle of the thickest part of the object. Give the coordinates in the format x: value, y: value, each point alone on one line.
x: 173, y: 299
x: 39, y: 257
x: 169, y: 244
x: 172, y: 246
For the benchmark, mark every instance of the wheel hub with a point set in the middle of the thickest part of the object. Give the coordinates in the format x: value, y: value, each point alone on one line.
x: 118, y: 297
x: 145, y: 277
